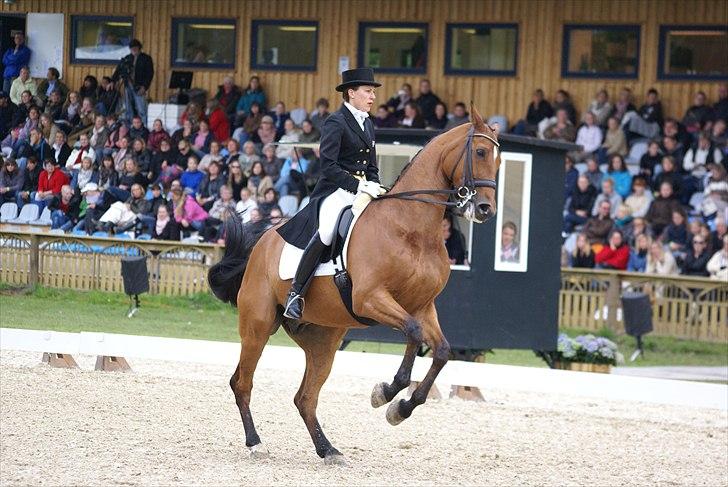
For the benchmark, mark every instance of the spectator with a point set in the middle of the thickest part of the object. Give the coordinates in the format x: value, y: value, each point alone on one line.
x: 582, y: 256
x: 660, y: 261
x: 251, y: 124
x: 137, y: 129
x: 718, y: 133
x: 623, y: 217
x: 215, y: 155
x: 673, y: 129
x: 266, y: 132
x: 122, y: 215
x: 107, y: 96
x: 65, y: 208
x: 137, y: 69
x: 50, y: 182
x: 186, y: 132
x: 122, y: 154
x: 624, y: 105
x: 48, y: 128
x: 614, y: 142
x: 228, y: 95
x: 279, y: 115
x: 259, y: 182
x: 202, y: 138
x: 509, y: 243
x: 11, y: 181
x: 108, y: 176
x: 717, y: 266
x: 309, y: 132
x: 439, y: 120
x: 668, y: 174
x: 117, y: 131
x: 660, y: 213
x: 700, y: 155
x: 271, y: 164
x: 615, y: 255
x: 399, y: 100
x: 427, y: 101
x: 163, y: 159
x: 141, y: 155
x: 193, y: 113
x: 255, y: 226
x: 696, y: 262
x: 21, y: 113
x: 459, y: 116
x: 7, y: 113
x: 291, y: 178
x: 165, y: 227
x: 86, y: 114
x: 210, y: 186
x: 31, y: 176
x: 237, y: 180
x: 156, y: 135
x: 14, y: 59
x: 562, y: 101
x: 538, y: 110
x: 671, y: 147
x: 32, y: 122
x: 454, y: 242
x: 290, y: 135
x: 721, y: 230
x: 648, y: 120
x: 675, y: 236
x: 253, y: 93
x: 608, y: 194
x: 570, y: 176
x: 593, y: 173
x: 36, y: 146
x: 589, y: 136
x: 275, y: 217
x: 54, y: 106
x: 87, y: 173
x: 50, y: 84
x: 192, y: 177
x: 270, y: 201
x: 321, y: 113
x: 219, y: 123
x: 89, y: 88
x: 412, y: 118
x: 640, y: 199
x: 597, y: 228
x: 223, y: 204
x: 562, y: 129
x: 128, y: 178
x: 697, y: 116
x: 23, y: 83
x: 638, y: 226
x: 600, y: 108
x: 384, y: 118
x: 187, y: 213
x: 650, y: 159
x: 245, y: 204
x: 715, y: 200
x: 11, y: 141
x: 638, y: 254
x: 99, y: 136
x: 617, y: 172
x: 249, y: 156
x: 93, y: 206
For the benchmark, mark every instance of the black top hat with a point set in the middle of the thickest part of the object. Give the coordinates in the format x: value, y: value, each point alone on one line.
x: 357, y: 77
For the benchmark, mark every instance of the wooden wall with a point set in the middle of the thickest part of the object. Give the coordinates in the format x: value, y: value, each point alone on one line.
x: 539, y: 57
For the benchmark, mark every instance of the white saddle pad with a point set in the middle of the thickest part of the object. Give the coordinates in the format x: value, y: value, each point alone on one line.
x: 291, y: 256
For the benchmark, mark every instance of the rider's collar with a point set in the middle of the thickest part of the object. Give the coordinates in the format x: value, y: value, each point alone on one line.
x: 359, y: 115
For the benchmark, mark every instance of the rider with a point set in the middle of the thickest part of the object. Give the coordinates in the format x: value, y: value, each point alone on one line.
x: 350, y: 176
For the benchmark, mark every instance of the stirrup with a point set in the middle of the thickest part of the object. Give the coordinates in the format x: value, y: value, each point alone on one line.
x: 294, y: 298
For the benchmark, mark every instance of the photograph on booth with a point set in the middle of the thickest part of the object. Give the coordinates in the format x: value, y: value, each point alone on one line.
x: 514, y: 197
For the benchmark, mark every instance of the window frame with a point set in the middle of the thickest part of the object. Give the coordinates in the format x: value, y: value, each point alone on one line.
x: 566, y: 43
x: 450, y: 27
x: 527, y: 160
x: 360, y: 54
x: 661, y: 58
x: 282, y: 67
x: 74, y: 28
x: 176, y: 21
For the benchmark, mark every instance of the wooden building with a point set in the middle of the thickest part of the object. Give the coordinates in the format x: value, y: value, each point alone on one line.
x: 539, y: 45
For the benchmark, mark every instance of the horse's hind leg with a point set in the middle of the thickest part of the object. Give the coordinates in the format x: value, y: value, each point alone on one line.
x: 320, y: 344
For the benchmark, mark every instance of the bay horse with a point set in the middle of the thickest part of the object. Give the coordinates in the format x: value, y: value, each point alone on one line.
x: 397, y: 262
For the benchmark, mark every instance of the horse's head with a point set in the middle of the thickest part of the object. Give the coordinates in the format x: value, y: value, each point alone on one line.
x: 471, y: 165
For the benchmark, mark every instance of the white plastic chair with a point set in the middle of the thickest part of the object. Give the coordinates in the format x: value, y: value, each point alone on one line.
x: 636, y: 152
x: 28, y: 214
x: 289, y: 205
x: 8, y: 211
x: 44, y: 219
x: 298, y: 115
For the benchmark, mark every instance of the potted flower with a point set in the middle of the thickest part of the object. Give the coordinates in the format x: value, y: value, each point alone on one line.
x: 586, y: 353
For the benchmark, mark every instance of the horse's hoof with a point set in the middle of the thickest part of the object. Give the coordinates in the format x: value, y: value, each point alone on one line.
x: 393, y: 415
x: 335, y: 458
x: 258, y: 451
x: 378, y: 397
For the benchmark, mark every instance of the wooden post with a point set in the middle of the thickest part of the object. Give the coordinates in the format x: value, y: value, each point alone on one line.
x: 62, y: 360
x: 434, y: 392
x: 34, y: 271
x: 112, y: 364
x: 613, y: 293
x: 467, y: 393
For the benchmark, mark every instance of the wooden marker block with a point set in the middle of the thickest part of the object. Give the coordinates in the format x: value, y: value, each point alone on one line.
x: 112, y: 364
x: 467, y: 393
x: 62, y: 360
x: 433, y: 394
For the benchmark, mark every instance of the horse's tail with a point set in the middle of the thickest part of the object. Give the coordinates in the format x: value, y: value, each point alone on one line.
x: 226, y: 276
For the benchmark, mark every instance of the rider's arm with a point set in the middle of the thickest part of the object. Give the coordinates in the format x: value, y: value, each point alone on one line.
x: 333, y: 132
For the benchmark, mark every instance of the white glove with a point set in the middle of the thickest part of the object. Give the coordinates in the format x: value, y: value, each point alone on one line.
x: 371, y: 188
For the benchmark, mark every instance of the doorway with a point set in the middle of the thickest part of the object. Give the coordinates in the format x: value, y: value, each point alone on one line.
x: 10, y: 24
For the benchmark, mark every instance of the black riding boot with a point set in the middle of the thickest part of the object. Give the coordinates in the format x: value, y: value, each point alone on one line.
x: 304, y: 275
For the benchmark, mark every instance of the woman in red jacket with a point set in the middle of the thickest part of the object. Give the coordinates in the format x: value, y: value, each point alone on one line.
x: 615, y: 255
x: 219, y: 123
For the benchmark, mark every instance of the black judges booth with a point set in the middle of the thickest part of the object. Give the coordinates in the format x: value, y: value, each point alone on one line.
x: 503, y: 298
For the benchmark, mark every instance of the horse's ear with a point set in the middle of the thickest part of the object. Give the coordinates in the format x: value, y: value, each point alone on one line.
x: 495, y: 128
x: 475, y: 116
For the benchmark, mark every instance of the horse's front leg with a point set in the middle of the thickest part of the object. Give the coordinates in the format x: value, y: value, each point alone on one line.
x: 383, y: 392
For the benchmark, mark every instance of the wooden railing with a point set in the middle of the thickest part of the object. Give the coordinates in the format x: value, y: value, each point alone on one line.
x: 682, y: 307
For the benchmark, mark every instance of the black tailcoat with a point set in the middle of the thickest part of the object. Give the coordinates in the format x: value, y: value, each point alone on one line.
x: 346, y: 151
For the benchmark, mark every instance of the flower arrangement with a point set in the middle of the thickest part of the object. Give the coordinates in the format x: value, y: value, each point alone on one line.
x: 588, y: 349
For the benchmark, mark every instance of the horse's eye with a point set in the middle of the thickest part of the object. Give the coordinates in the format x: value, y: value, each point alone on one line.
x: 480, y: 152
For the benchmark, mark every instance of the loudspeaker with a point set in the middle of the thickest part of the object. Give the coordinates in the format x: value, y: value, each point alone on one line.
x: 135, y: 275
x: 637, y: 313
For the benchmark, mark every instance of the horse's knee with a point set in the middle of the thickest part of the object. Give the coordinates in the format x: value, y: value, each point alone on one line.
x: 413, y: 330
x: 441, y: 353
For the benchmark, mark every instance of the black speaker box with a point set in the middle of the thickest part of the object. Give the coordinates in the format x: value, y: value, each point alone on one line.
x: 637, y: 313
x: 135, y: 275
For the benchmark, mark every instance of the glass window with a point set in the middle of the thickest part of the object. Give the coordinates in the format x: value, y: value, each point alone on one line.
x: 203, y: 43
x: 481, y: 49
x: 693, y: 52
x: 601, y: 51
x: 100, y: 40
x: 284, y: 45
x: 514, y: 209
x: 393, y: 47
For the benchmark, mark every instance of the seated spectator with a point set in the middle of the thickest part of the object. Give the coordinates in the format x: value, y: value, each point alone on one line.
x: 32, y: 122
x: 562, y: 129
x: 202, y: 138
x: 50, y: 182
x: 700, y: 155
x: 117, y: 131
x: 31, y: 176
x: 245, y: 204
x: 600, y: 108
x: 128, y: 178
x: 186, y: 133
x: 228, y: 95
x: 617, y: 171
x: 615, y: 255
x: 717, y: 266
x: 582, y: 256
x: 718, y: 133
x: 231, y: 153
x: 193, y: 113
x: 192, y: 177
x: 165, y: 227
x: 259, y: 182
x: 106, y: 96
x: 270, y: 201
x: 696, y: 262
x: 108, y: 176
x: 650, y: 160
x: 21, y: 112
x: 397, y: 102
x: 412, y: 118
x: 638, y: 254
x: 623, y: 217
x: 11, y: 181
x: 236, y: 179
x: 86, y: 114
x: 61, y: 150
x: 184, y: 151
x: 460, y: 115
x: 54, y: 106
x: 251, y: 124
x: 715, y: 200
x: 427, y: 101
x: 256, y: 225
x: 589, y: 136
x: 697, y: 116
x: 11, y: 141
x: 210, y: 186
x: 321, y: 113
x: 271, y: 164
x: 249, y: 156
x: 593, y: 173
x: 309, y: 133
x: 252, y: 94
x: 52, y: 83
x: 291, y: 179
x: 85, y: 174
x: 670, y: 147
x: 614, y: 142
x: 156, y: 135
x: 668, y: 174
x: 675, y: 235
x: 187, y: 213
x: 122, y: 216
x: 384, y: 119
x: 597, y: 228
x: 275, y: 217
x: 570, y: 176
x: 219, y: 123
x: 279, y: 115
x: 720, y: 108
x: 563, y: 101
x: 608, y: 194
x: 660, y: 261
x: 70, y: 115
x: 580, y: 205
x: 163, y: 159
x: 648, y: 120
x: 48, y: 128
x: 94, y: 204
x: 65, y: 208
x: 721, y: 230
x: 673, y: 129
x: 291, y: 135
x: 215, y: 155
x: 640, y: 199
x: 439, y: 119
x: 454, y: 242
x: 141, y: 155
x: 7, y: 114
x: 89, y: 88
x: 211, y: 229
x: 121, y: 154
x: 623, y: 105
x: 22, y: 83
x: 660, y: 213
x: 99, y: 135
x: 267, y: 131
x: 35, y: 146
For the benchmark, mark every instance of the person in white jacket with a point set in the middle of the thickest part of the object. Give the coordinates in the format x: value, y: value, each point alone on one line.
x: 718, y: 264
x: 589, y: 136
x: 84, y: 149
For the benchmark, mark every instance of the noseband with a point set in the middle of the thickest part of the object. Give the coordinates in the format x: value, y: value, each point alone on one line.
x: 461, y: 196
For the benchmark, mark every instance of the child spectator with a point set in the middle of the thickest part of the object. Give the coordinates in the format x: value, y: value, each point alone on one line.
x: 589, y: 136
x: 638, y: 254
x: 192, y: 177
x: 650, y: 160
x: 640, y: 199
x: 582, y: 256
x: 165, y: 227
x: 87, y: 173
x: 245, y: 204
x: 615, y: 255
x: 187, y: 213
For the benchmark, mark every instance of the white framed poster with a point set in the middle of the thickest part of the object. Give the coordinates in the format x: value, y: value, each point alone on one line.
x: 514, y: 207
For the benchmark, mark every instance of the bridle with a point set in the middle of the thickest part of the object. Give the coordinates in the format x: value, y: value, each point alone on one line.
x: 464, y: 194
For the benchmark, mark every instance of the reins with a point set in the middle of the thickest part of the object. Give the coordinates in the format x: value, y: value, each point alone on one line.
x: 465, y: 192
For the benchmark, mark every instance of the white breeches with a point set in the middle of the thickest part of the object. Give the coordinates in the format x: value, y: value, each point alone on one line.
x: 329, y: 213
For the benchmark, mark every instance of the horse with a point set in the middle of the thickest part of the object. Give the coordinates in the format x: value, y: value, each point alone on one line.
x: 398, y: 265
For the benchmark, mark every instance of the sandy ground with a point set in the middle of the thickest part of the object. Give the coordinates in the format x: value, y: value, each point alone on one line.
x: 167, y: 424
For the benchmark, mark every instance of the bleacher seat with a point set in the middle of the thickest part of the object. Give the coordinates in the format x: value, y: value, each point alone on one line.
x: 8, y: 211
x: 502, y: 122
x: 298, y: 115
x: 28, y: 213
x: 144, y: 236
x: 289, y: 205
x: 304, y: 202
x: 639, y: 147
x: 44, y: 219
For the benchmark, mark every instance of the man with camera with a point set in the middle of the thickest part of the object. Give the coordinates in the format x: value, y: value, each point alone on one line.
x: 135, y: 71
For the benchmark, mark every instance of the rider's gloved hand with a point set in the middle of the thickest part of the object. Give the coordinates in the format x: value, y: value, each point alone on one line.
x: 371, y: 188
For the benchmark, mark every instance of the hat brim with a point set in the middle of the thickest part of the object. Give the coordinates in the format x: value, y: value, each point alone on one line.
x: 349, y: 84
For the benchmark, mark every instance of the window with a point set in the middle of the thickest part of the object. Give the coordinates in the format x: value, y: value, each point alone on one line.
x: 693, y: 52
x: 393, y: 47
x: 100, y: 40
x: 286, y: 45
x: 481, y: 49
x: 514, y: 209
x: 601, y: 51
x: 204, y: 43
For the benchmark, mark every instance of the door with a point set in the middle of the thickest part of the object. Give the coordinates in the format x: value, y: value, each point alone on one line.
x: 9, y: 25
